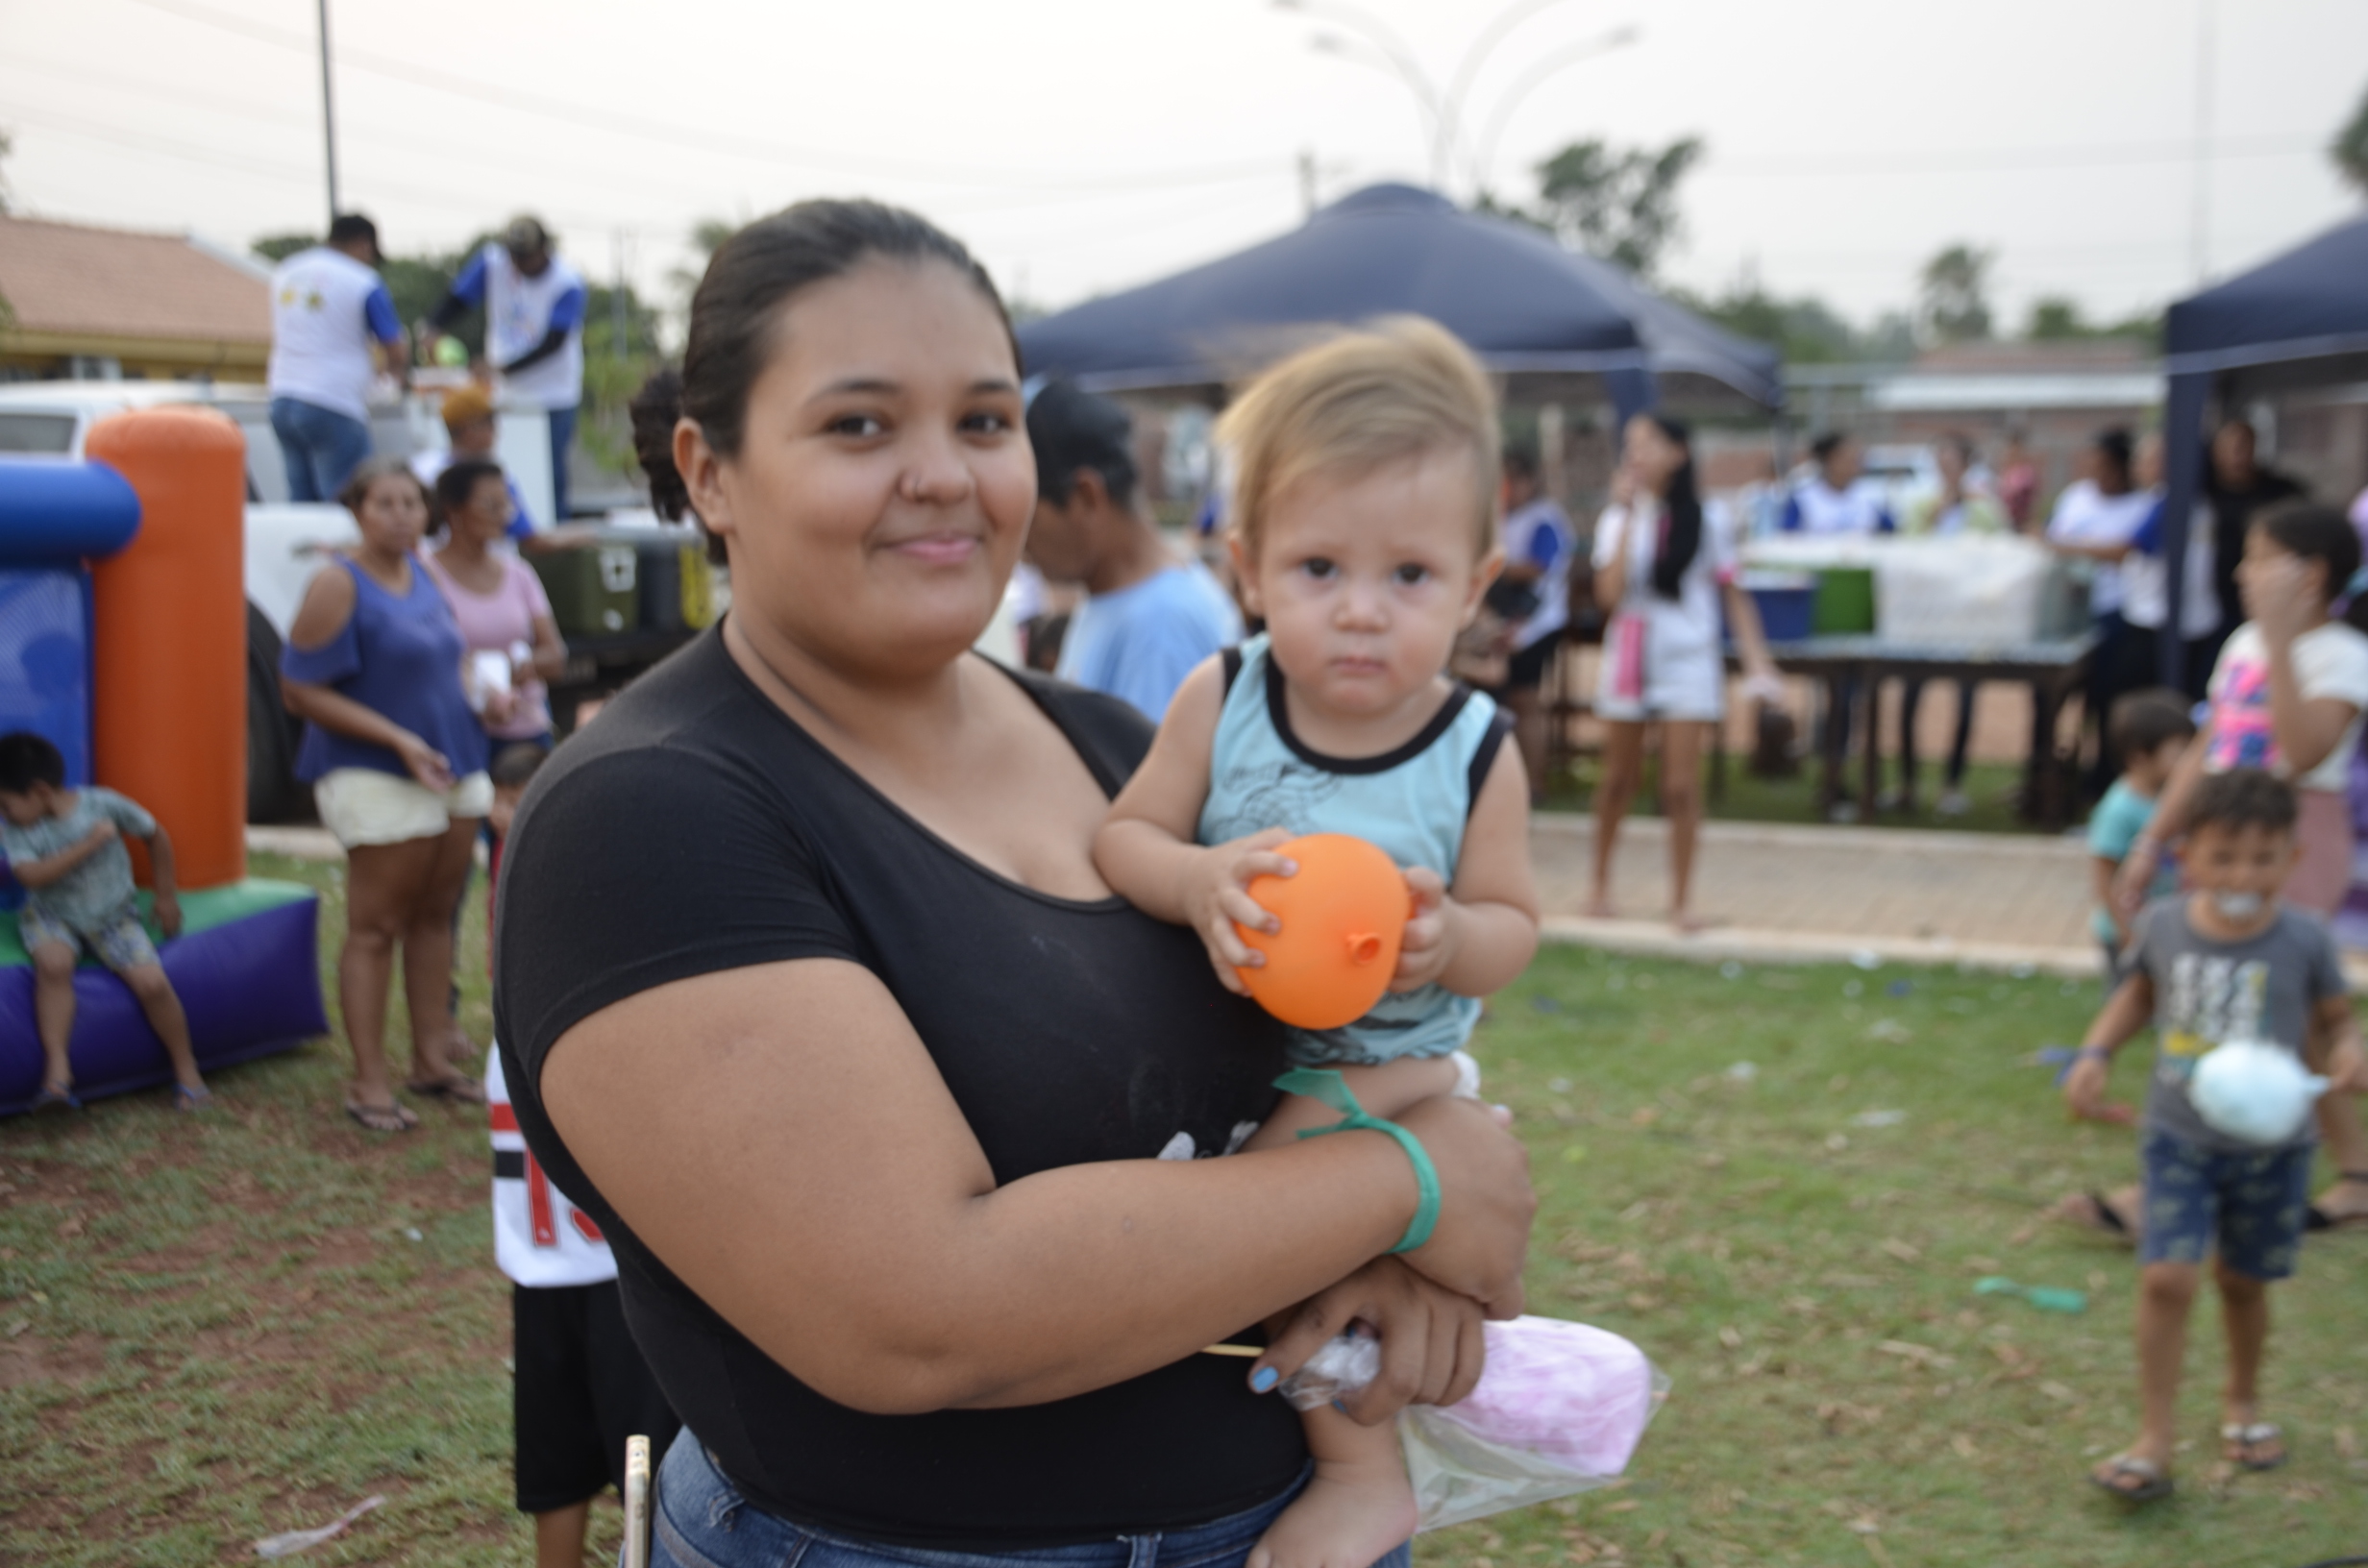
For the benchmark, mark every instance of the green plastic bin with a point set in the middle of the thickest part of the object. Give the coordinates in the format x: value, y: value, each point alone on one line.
x: 1846, y: 602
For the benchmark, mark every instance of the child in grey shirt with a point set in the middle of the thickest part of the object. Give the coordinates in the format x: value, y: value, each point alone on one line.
x: 66, y: 847
x: 2225, y: 962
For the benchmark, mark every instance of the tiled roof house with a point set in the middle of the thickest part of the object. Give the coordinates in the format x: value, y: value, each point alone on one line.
x: 86, y: 301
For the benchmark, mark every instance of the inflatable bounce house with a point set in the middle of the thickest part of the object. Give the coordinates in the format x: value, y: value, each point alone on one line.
x: 123, y: 640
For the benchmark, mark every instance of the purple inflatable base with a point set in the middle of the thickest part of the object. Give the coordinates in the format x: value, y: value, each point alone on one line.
x: 251, y: 987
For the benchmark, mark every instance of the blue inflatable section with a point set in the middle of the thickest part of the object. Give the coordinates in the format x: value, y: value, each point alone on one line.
x: 60, y: 513
x: 45, y: 660
x: 246, y: 967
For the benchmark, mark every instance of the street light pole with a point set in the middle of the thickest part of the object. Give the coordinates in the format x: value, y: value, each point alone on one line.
x: 1534, y: 78
x: 328, y: 115
x: 1384, y: 41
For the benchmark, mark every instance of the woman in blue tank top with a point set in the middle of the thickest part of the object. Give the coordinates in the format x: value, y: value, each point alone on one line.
x: 396, y: 762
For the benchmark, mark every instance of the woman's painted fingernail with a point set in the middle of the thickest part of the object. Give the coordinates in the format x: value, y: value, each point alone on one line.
x: 1265, y: 1378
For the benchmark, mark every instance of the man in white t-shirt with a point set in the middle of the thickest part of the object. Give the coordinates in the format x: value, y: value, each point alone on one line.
x: 1149, y: 617
x: 333, y: 328
x: 1540, y: 546
x: 534, y: 304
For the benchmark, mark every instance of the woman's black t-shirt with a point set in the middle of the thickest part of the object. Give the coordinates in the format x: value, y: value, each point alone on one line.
x: 697, y: 828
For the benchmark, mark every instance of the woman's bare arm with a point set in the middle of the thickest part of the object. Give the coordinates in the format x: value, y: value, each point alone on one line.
x: 1611, y: 577
x: 793, y: 1156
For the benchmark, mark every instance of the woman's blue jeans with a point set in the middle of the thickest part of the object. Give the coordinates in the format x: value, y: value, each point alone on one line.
x: 703, y: 1522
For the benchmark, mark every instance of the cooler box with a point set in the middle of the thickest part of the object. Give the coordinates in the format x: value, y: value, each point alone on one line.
x: 594, y: 588
x: 1845, y: 601
x: 678, y: 584
x: 1983, y: 592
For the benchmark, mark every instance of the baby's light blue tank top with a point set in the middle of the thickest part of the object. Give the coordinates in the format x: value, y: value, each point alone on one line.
x: 1411, y: 802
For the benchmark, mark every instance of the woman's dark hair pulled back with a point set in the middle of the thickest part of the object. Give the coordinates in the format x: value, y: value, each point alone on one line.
x: 750, y: 278
x: 1685, y: 502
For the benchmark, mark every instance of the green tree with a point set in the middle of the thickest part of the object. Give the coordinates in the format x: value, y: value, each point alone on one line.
x: 278, y: 248
x: 2350, y: 148
x: 1806, y: 330
x: 1955, y: 305
x: 1619, y: 204
x: 708, y: 236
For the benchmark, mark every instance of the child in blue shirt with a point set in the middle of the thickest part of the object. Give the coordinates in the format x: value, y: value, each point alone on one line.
x: 2149, y: 730
x: 1364, y: 534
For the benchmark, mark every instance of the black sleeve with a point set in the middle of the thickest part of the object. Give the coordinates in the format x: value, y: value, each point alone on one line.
x: 552, y: 342
x: 1110, y: 734
x: 630, y: 871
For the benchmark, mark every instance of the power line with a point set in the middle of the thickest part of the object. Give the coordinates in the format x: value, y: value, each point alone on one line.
x: 1999, y: 159
x: 610, y: 120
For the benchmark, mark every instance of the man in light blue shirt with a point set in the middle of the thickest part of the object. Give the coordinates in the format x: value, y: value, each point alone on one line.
x: 1148, y: 618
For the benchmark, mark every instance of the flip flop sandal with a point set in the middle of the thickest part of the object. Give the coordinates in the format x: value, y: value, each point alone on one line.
x: 2316, y: 1219
x: 2102, y: 1218
x: 56, y: 1099
x: 2153, y: 1485
x: 2237, y: 1436
x: 186, y: 1098
x: 382, y: 1118
x: 456, y: 1088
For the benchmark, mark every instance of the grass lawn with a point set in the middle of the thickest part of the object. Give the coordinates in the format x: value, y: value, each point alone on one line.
x: 217, y: 1328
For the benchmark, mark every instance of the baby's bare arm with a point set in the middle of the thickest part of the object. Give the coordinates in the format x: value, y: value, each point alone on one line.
x: 1146, y: 844
x: 1493, y: 911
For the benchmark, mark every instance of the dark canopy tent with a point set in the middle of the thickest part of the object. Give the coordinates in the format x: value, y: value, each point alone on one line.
x: 1557, y: 325
x: 2299, y: 321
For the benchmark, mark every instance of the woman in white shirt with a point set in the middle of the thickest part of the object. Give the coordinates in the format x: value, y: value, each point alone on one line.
x: 1664, y: 563
x: 2096, y: 518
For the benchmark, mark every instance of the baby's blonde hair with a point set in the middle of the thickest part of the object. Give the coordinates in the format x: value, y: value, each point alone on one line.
x: 1401, y: 388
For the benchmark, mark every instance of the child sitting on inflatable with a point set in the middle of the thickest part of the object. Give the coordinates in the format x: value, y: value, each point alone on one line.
x: 1364, y: 531
x: 66, y: 847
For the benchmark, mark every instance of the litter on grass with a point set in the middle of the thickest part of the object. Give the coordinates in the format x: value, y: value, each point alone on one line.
x: 2046, y: 1298
x: 290, y: 1542
x: 1866, y: 958
x: 1878, y: 1118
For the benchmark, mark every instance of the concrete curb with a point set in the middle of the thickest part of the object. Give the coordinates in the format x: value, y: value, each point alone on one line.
x: 296, y: 843
x: 1831, y: 839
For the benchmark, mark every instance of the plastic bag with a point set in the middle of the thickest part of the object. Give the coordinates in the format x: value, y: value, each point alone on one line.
x: 1559, y: 1410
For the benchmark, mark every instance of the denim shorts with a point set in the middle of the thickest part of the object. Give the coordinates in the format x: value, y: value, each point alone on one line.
x: 2252, y: 1205
x: 702, y: 1521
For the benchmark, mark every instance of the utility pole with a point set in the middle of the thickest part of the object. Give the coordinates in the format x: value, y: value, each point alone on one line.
x: 328, y: 115
x: 616, y: 300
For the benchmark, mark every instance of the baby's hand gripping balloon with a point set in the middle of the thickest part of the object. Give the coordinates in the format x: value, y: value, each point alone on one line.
x: 1343, y: 918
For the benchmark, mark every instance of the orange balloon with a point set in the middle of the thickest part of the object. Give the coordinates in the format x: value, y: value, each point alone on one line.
x: 1343, y: 917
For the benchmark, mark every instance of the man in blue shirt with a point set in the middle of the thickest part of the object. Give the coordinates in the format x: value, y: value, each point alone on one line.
x: 1148, y: 618
x: 534, y: 308
x: 332, y: 326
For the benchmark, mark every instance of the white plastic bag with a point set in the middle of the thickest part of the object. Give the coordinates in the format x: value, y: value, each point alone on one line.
x: 1559, y: 1410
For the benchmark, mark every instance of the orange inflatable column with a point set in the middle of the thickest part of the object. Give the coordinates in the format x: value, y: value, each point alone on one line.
x: 169, y: 643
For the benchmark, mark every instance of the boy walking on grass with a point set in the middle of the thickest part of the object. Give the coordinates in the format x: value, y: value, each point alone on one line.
x: 66, y: 847
x: 2225, y: 962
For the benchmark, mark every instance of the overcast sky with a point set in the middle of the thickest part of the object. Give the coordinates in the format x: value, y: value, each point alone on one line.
x: 1082, y: 146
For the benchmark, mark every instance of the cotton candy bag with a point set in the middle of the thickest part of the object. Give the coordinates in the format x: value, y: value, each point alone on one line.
x: 1559, y: 1410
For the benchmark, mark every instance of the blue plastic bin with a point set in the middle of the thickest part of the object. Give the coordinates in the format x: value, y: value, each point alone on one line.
x: 1787, y: 601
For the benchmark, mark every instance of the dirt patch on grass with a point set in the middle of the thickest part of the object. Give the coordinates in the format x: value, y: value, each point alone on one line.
x: 27, y: 1362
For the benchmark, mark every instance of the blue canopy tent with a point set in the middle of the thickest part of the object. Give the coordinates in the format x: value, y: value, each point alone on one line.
x: 1558, y: 326
x: 2298, y: 320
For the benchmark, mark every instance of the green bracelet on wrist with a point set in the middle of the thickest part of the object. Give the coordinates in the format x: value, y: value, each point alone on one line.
x: 1325, y: 1084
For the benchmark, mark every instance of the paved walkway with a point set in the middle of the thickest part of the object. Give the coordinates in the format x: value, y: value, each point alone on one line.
x: 1800, y: 893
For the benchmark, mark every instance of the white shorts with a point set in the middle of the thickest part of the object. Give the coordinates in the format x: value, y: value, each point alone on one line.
x: 365, y: 806
x: 1637, y: 681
